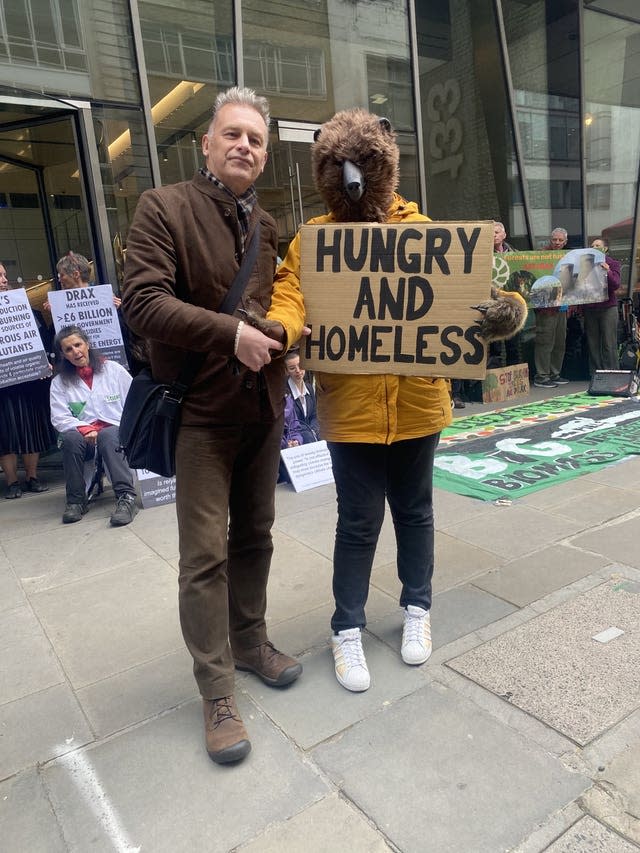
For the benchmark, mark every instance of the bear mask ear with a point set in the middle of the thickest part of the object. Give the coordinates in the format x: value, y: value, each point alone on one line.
x: 316, y: 134
x: 385, y: 124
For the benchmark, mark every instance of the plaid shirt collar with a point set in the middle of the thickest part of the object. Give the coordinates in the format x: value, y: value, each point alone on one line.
x: 244, y: 203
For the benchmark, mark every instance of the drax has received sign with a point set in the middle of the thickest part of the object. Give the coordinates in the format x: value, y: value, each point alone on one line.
x: 396, y: 298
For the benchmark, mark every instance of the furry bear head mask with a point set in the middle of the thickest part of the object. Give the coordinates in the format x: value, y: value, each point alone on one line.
x: 355, y: 162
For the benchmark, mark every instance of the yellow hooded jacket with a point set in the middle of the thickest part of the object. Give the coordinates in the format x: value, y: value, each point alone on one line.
x: 379, y: 408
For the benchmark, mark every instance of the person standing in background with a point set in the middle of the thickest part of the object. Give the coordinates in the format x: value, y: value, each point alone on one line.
x: 25, y: 428
x: 601, y: 318
x: 551, y: 333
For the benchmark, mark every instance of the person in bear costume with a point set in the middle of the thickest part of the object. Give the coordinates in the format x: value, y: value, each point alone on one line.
x: 382, y: 430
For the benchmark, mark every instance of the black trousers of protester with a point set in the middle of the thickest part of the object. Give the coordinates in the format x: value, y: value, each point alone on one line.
x: 76, y: 450
x: 364, y: 475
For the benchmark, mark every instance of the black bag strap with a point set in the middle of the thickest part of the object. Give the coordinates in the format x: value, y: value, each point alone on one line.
x: 194, y: 361
x: 230, y: 302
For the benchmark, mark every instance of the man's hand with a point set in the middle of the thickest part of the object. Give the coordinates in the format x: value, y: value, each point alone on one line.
x: 271, y: 328
x: 253, y: 348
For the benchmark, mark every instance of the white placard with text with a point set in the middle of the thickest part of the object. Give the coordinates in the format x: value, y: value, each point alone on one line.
x: 308, y: 465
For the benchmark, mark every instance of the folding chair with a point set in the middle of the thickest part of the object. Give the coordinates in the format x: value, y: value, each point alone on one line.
x: 96, y: 484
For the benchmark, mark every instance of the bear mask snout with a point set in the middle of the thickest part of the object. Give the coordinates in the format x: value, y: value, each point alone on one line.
x: 353, y: 180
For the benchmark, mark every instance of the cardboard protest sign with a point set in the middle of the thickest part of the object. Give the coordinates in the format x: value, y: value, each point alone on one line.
x: 22, y: 356
x: 505, y: 383
x: 549, y: 279
x: 308, y: 465
x: 91, y: 307
x: 396, y: 298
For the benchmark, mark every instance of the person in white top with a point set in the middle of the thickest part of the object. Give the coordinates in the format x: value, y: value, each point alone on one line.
x: 87, y: 397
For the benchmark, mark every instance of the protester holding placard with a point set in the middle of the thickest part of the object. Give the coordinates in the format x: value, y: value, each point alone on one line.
x: 87, y: 396
x: 382, y: 430
x: 25, y: 428
x: 551, y: 333
x: 601, y: 318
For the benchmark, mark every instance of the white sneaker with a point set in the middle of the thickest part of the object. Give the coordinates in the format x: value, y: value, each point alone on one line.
x: 416, y: 635
x: 351, y: 667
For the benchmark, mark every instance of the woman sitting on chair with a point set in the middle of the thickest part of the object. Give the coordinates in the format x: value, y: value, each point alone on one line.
x: 87, y: 396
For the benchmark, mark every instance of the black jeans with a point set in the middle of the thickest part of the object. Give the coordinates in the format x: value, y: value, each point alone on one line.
x: 365, y: 474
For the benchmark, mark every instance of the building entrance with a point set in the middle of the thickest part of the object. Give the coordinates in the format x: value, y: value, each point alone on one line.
x: 42, y: 200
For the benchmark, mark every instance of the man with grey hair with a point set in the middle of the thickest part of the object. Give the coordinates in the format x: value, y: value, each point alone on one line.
x: 184, y: 248
x: 559, y: 237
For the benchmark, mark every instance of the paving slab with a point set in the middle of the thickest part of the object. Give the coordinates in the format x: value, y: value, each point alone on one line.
x: 623, y: 475
x: 157, y: 790
x: 107, y: 623
x: 449, y: 508
x: 455, y: 563
x: 622, y: 776
x: 617, y: 542
x: 529, y: 578
x: 552, y: 667
x: 519, y: 530
x: 315, y: 528
x: 316, y: 707
x: 138, y: 693
x: 72, y: 552
x: 33, y: 514
x: 595, y: 507
x: 435, y: 772
x: 299, y: 580
x: 39, y: 727
x: 454, y: 614
x: 331, y: 824
x: 590, y: 836
x: 11, y: 592
x: 26, y: 819
x: 311, y: 629
x: 290, y: 502
x: 27, y: 661
x: 157, y: 527
x: 578, y: 488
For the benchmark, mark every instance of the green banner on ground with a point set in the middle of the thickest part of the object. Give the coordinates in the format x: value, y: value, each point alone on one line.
x: 514, y: 452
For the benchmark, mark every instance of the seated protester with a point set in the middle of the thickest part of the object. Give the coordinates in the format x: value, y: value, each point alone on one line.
x: 303, y: 396
x: 87, y: 396
x: 291, y: 435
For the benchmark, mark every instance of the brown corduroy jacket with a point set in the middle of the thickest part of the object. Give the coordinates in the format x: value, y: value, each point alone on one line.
x: 183, y: 251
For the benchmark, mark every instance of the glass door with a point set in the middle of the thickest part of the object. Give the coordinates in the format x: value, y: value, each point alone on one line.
x: 42, y: 203
x: 286, y: 187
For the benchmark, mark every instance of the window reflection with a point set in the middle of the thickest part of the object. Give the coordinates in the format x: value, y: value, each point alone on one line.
x: 189, y: 59
x: 542, y: 41
x: 612, y: 131
x: 470, y: 160
x: 312, y: 59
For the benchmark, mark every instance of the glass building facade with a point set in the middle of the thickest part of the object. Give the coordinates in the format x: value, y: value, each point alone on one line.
x: 524, y: 111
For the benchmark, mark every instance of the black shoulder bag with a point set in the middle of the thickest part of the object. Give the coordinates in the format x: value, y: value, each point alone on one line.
x: 151, y: 412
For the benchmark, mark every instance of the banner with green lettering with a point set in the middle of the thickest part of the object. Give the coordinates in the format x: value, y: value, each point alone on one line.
x: 512, y: 453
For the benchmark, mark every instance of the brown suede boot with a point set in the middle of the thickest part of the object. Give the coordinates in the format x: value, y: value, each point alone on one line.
x: 226, y: 737
x: 273, y: 667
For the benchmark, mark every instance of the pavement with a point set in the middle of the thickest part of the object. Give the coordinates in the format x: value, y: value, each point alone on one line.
x: 521, y: 733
